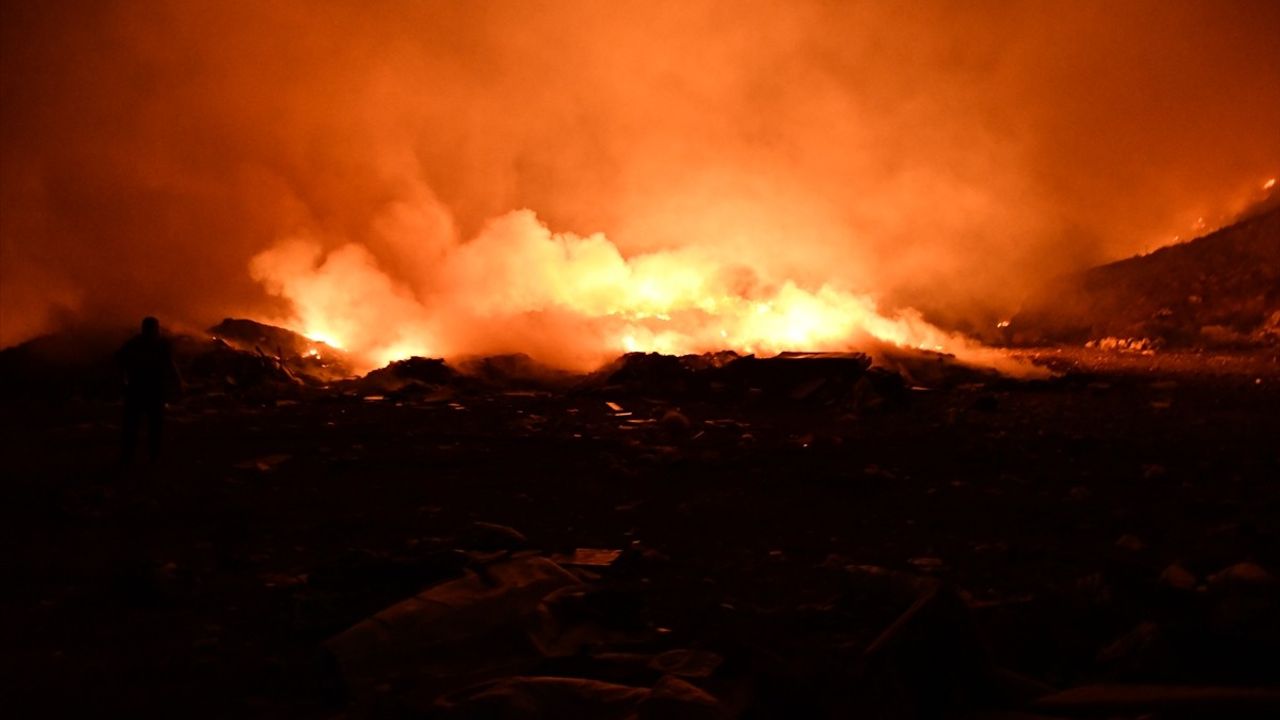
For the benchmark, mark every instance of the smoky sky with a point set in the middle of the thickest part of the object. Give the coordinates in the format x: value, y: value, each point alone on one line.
x: 945, y: 156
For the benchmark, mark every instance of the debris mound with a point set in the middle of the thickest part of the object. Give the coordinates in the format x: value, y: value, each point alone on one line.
x: 408, y: 376
x: 1219, y: 290
x: 515, y: 371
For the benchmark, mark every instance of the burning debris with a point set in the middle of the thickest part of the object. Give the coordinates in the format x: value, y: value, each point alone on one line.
x: 294, y: 354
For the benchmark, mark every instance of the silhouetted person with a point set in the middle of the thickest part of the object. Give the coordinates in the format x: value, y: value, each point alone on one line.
x: 149, y: 373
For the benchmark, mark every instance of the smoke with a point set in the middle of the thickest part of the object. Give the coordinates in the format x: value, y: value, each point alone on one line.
x: 469, y: 177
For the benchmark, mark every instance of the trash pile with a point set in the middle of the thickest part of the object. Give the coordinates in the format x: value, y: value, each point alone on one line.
x: 415, y: 376
x: 518, y: 634
x: 510, y: 632
x: 258, y: 361
x: 813, y: 378
x: 310, y: 361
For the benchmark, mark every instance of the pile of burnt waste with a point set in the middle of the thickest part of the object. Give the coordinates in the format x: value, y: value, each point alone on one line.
x: 295, y: 356
x: 509, y: 631
x: 411, y: 377
x: 487, y: 626
x: 814, y: 378
x: 246, y: 359
x: 837, y: 380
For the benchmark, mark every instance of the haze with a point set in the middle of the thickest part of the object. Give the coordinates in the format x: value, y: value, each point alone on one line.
x: 445, y: 177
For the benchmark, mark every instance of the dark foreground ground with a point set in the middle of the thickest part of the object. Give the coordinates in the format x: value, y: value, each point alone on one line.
x: 1115, y: 525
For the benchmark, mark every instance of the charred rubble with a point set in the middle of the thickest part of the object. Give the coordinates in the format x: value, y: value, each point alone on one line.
x: 703, y: 536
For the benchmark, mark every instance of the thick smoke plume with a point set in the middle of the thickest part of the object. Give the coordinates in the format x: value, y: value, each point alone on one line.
x: 565, y: 177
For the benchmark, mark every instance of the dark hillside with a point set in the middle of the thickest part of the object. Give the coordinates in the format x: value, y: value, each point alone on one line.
x: 1223, y: 288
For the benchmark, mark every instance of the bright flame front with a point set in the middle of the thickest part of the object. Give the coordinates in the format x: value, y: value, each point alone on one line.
x: 571, y: 301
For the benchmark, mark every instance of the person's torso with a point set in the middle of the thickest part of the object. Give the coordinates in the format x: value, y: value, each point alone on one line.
x: 146, y: 364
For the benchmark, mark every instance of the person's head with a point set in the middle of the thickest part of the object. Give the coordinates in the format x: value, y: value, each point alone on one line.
x: 150, y: 326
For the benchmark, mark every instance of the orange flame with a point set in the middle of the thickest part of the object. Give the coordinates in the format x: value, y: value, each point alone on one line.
x: 574, y: 301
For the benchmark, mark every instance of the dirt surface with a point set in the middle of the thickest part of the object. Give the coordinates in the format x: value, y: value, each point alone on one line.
x: 205, y: 585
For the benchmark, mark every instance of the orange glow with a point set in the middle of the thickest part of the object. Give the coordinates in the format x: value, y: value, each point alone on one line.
x: 576, y: 302
x: 766, y: 174
x: 321, y: 337
x: 1269, y: 184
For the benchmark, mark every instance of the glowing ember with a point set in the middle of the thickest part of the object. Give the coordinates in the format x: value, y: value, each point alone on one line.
x: 1269, y: 184
x: 321, y: 337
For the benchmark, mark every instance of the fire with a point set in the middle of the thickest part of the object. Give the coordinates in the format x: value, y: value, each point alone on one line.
x: 321, y: 337
x: 1269, y: 184
x: 573, y: 301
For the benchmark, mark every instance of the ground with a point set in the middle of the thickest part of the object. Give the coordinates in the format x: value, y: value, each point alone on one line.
x: 205, y: 585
